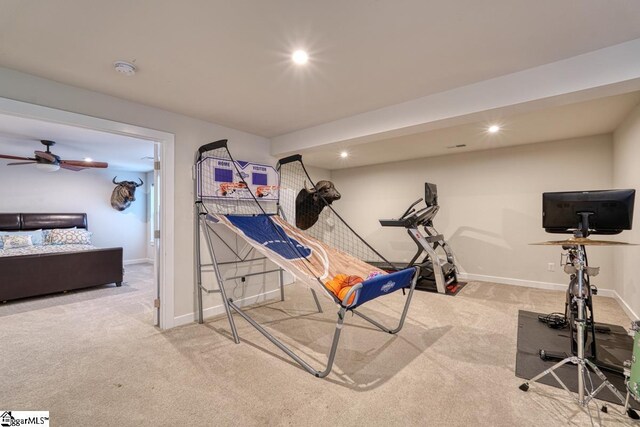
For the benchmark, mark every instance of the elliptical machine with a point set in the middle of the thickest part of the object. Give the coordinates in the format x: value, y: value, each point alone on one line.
x: 437, y: 273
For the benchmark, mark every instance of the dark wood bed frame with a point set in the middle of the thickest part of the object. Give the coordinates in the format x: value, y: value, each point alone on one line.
x: 32, y: 275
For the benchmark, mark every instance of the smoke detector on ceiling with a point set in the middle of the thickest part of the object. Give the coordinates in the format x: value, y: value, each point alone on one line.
x: 126, y: 68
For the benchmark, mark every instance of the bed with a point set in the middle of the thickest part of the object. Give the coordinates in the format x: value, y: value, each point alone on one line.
x: 44, y: 270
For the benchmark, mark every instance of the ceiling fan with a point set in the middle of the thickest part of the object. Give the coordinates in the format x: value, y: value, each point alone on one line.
x: 48, y: 161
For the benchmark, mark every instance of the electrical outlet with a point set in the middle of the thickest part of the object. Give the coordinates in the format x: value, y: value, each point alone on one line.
x: 551, y: 266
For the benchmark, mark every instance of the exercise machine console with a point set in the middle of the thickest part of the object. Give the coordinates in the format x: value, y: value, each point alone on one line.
x: 438, y: 272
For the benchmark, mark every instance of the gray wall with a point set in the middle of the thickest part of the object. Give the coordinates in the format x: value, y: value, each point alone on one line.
x: 627, y: 175
x: 27, y: 189
x: 490, y: 204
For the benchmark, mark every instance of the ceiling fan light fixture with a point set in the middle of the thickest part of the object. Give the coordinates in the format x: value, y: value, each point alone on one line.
x: 124, y: 67
x: 46, y: 161
x: 47, y: 167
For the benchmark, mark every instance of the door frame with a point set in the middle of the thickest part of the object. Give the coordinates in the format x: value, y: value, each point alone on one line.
x: 166, y: 143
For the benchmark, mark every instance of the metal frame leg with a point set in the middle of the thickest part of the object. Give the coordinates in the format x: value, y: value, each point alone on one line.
x: 198, y: 269
x: 315, y: 298
x: 313, y: 292
x: 626, y: 402
x: 404, y: 311
x: 572, y: 359
x: 605, y: 383
x: 229, y: 305
x: 451, y: 257
x: 289, y: 352
x: 223, y: 294
x: 421, y: 241
x: 281, y: 278
x: 336, y: 335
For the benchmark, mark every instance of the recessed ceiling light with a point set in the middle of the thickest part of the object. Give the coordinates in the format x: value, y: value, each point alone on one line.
x: 88, y: 159
x: 344, y: 154
x: 124, y: 67
x: 300, y: 57
x: 493, y: 128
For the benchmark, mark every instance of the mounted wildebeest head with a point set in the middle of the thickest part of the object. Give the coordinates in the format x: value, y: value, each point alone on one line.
x: 311, y: 201
x: 123, y: 194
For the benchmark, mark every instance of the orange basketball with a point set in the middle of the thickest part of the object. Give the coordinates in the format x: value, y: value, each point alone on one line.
x: 352, y: 280
x: 343, y: 294
x: 334, y: 286
x: 339, y: 278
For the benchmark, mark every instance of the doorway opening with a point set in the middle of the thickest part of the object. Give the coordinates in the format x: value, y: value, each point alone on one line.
x: 27, y: 124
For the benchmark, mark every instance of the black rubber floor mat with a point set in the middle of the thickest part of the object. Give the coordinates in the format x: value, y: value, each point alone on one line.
x: 451, y: 290
x: 613, y: 348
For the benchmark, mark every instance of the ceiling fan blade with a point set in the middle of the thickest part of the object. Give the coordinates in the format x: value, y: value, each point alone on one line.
x: 47, y: 156
x: 71, y: 167
x: 83, y: 164
x: 20, y: 163
x: 3, y: 156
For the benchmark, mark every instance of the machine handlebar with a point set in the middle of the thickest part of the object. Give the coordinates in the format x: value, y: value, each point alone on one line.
x: 421, y: 211
x: 412, y: 218
x: 410, y: 209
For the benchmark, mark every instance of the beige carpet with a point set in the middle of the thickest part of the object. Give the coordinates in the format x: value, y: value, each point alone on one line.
x: 98, y: 361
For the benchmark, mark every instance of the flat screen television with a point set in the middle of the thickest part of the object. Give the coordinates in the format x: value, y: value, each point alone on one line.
x: 592, y: 212
x: 430, y: 194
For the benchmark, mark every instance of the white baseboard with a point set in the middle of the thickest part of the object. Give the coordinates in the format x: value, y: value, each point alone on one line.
x: 137, y: 261
x: 624, y: 305
x: 549, y: 286
x: 514, y: 282
x: 219, y: 309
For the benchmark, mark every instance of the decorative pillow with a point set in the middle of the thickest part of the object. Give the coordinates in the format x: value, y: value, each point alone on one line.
x: 46, y: 233
x: 37, y: 237
x: 12, y: 242
x: 59, y: 236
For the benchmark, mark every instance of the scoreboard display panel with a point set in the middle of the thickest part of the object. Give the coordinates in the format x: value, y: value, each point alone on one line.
x: 226, y: 179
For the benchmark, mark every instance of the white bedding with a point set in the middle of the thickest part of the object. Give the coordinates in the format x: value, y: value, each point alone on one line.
x: 46, y: 249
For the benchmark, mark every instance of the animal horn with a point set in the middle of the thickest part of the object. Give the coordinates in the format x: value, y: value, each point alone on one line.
x: 141, y: 182
x: 308, y: 190
x: 114, y: 180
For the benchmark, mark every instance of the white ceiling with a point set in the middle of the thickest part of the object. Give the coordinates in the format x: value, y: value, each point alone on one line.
x: 21, y: 137
x: 595, y: 117
x: 228, y: 61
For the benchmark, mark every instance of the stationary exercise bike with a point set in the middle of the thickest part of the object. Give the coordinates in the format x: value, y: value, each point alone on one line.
x: 437, y: 274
